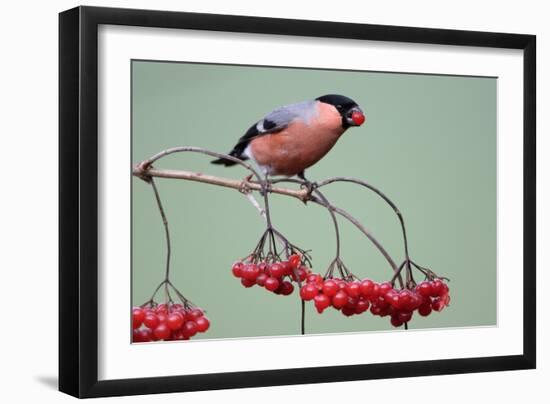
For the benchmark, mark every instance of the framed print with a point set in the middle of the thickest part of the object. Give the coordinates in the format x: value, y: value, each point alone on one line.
x: 251, y: 201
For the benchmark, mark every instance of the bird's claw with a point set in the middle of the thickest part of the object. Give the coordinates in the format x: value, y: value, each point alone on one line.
x: 245, y: 185
x: 266, y: 187
x: 309, y: 187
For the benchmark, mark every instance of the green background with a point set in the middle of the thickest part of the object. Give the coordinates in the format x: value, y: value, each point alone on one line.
x: 429, y: 143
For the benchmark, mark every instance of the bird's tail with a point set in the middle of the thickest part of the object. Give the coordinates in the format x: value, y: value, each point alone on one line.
x: 225, y: 162
x: 228, y: 163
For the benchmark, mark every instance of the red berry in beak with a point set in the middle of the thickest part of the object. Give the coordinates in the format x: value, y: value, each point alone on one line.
x: 357, y: 117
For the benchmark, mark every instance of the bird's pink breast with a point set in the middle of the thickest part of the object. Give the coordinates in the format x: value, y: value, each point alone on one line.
x: 300, y: 145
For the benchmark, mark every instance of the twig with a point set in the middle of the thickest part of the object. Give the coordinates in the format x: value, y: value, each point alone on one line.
x: 166, y: 230
x: 138, y: 171
x: 381, y: 195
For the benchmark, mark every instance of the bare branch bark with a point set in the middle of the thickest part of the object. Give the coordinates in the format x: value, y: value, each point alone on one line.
x: 300, y: 194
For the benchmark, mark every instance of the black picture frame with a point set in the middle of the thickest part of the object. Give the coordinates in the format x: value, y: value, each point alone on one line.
x: 78, y: 200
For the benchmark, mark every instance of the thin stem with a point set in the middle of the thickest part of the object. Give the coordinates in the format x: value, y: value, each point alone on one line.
x: 334, y: 221
x: 166, y: 230
x: 152, y: 298
x: 328, y: 206
x: 350, y: 218
x: 143, y: 168
x: 379, y: 193
x: 362, y: 228
x: 303, y: 322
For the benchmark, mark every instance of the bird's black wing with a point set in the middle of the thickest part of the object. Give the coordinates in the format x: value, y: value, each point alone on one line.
x: 273, y: 122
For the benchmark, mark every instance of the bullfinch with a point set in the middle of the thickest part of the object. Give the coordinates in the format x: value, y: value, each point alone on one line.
x: 294, y: 137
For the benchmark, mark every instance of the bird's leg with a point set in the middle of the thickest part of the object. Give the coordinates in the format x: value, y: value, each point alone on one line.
x: 266, y: 186
x: 310, y: 186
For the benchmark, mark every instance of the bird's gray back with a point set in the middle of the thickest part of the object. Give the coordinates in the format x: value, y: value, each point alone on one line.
x: 281, y: 117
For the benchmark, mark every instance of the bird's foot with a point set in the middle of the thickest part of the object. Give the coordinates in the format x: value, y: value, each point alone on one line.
x: 309, y: 187
x: 245, y: 185
x: 266, y: 187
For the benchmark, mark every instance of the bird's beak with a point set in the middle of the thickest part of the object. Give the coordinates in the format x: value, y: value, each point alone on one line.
x: 355, y: 117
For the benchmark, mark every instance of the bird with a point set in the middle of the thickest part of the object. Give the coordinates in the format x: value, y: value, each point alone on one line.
x: 294, y: 137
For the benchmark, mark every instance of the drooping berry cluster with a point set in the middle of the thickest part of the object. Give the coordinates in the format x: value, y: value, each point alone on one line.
x: 167, y: 322
x: 276, y: 276
x: 344, y: 295
x: 352, y: 296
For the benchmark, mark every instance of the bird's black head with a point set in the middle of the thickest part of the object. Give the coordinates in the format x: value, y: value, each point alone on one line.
x: 351, y: 114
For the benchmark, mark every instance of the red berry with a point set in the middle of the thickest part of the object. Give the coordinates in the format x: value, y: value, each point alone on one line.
x: 375, y: 292
x: 250, y: 272
x: 286, y: 288
x: 287, y: 269
x: 151, y: 321
x: 162, y: 317
x: 375, y: 309
x: 351, y: 303
x: 276, y: 270
x: 189, y: 329
x: 271, y: 284
x: 353, y: 289
x: 308, y: 291
x: 384, y: 288
x: 237, y: 269
x: 183, y: 313
x: 391, y: 297
x: 438, y: 304
x: 405, y: 299
x: 444, y: 290
x: 416, y: 301
x: 348, y: 311
x: 294, y: 261
x: 177, y: 335
x: 247, y: 283
x: 362, y: 306
x: 162, y: 331
x: 299, y: 275
x: 260, y: 280
x: 425, y: 309
x: 142, y: 335
x: 330, y: 287
x: 425, y: 289
x: 367, y: 287
x: 340, y: 299
x: 358, y: 118
x: 396, y: 321
x: 341, y: 284
x: 263, y: 267
x: 138, y: 315
x: 321, y: 302
x: 202, y: 324
x: 405, y: 316
x: 437, y: 287
x: 174, y: 321
x: 315, y: 278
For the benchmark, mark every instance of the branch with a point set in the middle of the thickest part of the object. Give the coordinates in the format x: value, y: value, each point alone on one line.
x: 240, y: 185
x: 145, y: 171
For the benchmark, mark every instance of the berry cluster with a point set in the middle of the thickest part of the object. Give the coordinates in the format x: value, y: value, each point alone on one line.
x: 167, y: 322
x: 352, y: 296
x: 276, y: 277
